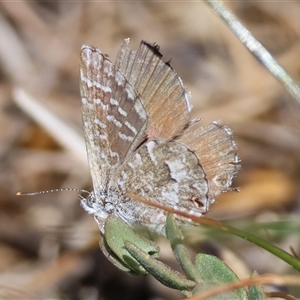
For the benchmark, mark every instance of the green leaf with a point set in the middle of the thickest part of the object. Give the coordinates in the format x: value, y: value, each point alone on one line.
x: 111, y: 256
x: 224, y: 296
x: 159, y: 270
x: 215, y: 272
x: 256, y: 292
x: 181, y: 254
x: 116, y: 232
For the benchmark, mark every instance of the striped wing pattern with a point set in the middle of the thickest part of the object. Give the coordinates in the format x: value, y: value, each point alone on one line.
x: 158, y: 85
x: 114, y: 117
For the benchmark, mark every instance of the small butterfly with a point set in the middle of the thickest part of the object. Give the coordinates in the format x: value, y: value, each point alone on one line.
x: 140, y: 140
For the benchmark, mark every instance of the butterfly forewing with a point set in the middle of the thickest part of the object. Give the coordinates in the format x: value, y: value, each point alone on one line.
x: 114, y: 117
x: 159, y: 87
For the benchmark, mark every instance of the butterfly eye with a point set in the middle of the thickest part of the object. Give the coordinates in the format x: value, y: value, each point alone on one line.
x: 90, y: 200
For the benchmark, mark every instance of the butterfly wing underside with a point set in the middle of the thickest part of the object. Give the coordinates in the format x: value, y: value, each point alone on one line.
x: 165, y: 173
x: 216, y: 150
x: 114, y: 117
x: 160, y: 88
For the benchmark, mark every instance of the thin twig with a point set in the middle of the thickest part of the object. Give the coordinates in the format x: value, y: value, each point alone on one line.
x: 256, y: 48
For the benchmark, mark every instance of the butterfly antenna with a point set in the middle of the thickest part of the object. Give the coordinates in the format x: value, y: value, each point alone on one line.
x: 50, y: 191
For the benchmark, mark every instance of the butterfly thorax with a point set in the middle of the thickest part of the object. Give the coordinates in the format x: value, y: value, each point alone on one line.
x: 102, y: 204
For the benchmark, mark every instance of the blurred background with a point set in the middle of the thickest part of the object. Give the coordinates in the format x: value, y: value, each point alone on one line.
x: 48, y: 244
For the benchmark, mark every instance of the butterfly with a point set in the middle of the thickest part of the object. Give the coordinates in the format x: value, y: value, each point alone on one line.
x: 141, y: 140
